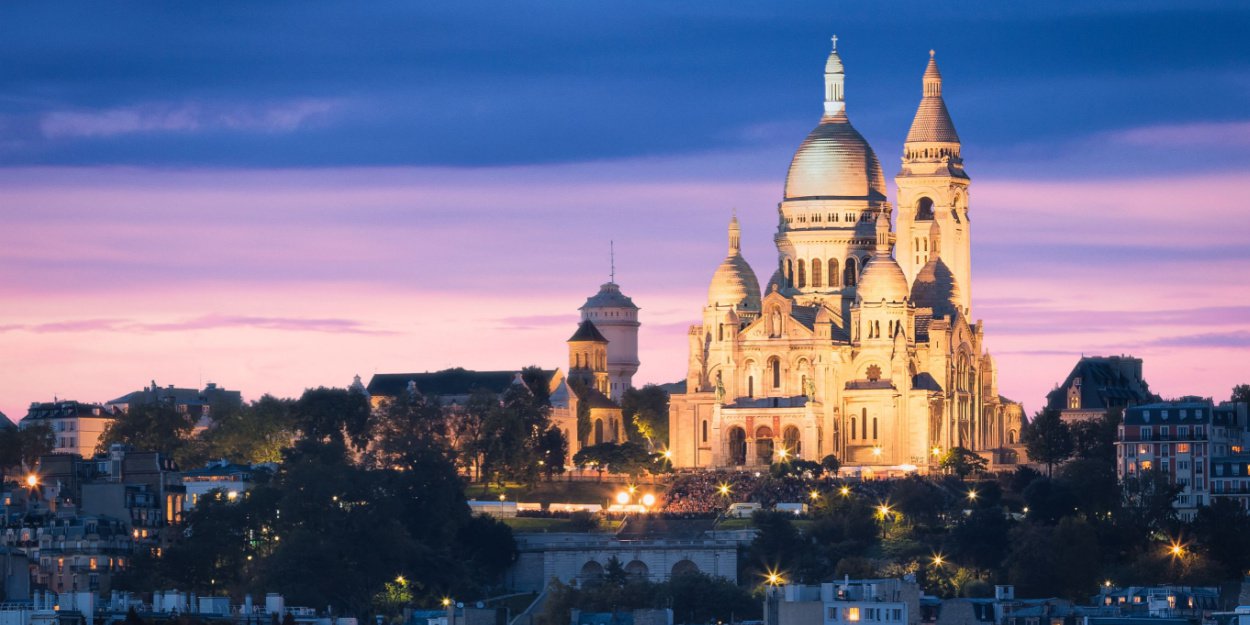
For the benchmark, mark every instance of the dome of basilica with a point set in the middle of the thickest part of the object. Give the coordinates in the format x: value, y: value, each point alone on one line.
x: 835, y: 161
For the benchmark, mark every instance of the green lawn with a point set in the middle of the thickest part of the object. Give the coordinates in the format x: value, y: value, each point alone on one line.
x: 532, y: 524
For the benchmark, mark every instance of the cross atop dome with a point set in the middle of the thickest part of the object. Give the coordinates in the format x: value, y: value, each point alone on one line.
x: 835, y: 43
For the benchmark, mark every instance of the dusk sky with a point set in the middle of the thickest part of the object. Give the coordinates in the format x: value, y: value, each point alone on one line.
x: 273, y: 196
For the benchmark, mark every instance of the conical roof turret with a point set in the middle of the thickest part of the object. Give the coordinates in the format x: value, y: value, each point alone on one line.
x: 932, y: 123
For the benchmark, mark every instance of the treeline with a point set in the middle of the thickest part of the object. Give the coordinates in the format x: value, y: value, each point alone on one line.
x: 365, y: 512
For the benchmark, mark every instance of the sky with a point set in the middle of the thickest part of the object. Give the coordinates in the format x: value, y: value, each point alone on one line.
x: 275, y: 196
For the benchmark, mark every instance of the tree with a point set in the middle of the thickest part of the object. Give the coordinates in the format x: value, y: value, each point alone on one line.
x: 1094, y: 439
x: 149, y: 427
x: 333, y: 414
x: 1047, y: 439
x: 963, y: 462
x: 406, y: 427
x: 980, y: 539
x: 647, y: 410
x: 1241, y: 394
x: 21, y: 447
x: 553, y: 449
x: 831, y: 464
x: 1093, y: 483
x: 630, y: 458
x: 469, y: 426
x: 251, y: 434
x: 1055, y: 561
x: 1147, y: 498
x: 1220, y: 529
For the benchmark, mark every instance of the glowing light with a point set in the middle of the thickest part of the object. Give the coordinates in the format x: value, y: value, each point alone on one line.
x: 399, y: 579
x: 1177, y: 549
x: 845, y: 490
x: 503, y: 497
x: 232, y: 495
x: 883, y: 510
x: 446, y: 602
x: 774, y: 578
x: 938, y: 560
x: 876, y: 451
x: 1107, y: 583
x: 32, y: 480
x: 632, y: 489
x: 723, y: 488
x: 937, y: 451
x: 782, y: 453
x: 972, y: 495
x: 815, y: 495
x: 622, y: 498
x: 668, y: 454
x: 648, y: 500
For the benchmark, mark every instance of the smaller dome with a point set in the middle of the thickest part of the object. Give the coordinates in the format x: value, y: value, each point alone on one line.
x: 882, y: 279
x: 609, y: 296
x: 935, y: 288
x: 734, y: 284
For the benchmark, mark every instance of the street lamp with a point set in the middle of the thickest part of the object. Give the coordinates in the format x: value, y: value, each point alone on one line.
x: 845, y: 490
x: 622, y: 498
x: 938, y: 560
x: 399, y: 579
x: 972, y: 495
x: 648, y: 500
x: 724, y: 489
x: 446, y: 602
x: 774, y: 578
x: 815, y: 494
x: 1177, y: 549
x: 876, y: 451
x: 32, y: 480
x: 782, y: 453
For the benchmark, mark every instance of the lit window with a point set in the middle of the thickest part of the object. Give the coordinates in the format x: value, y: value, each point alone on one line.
x: 852, y: 614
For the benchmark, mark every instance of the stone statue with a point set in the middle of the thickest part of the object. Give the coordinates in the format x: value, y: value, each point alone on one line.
x: 720, y: 388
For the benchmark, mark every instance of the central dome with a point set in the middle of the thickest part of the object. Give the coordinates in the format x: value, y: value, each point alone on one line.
x: 835, y: 161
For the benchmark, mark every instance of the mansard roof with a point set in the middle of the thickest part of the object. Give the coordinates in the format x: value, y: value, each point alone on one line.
x: 448, y: 382
x: 1106, y: 382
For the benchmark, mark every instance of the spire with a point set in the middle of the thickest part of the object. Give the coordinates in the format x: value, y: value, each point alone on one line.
x: 883, y: 233
x: 932, y: 78
x: 932, y: 123
x: 935, y: 239
x: 835, y: 76
x: 735, y: 235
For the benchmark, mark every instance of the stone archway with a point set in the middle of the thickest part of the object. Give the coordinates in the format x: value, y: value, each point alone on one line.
x: 637, y: 569
x: 685, y: 567
x: 591, y: 571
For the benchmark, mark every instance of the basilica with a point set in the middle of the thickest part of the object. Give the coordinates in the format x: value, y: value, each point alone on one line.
x: 862, y: 344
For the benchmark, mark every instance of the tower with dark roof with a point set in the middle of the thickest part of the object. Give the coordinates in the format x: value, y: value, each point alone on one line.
x: 588, y: 357
x: 616, y: 318
x: 933, y: 188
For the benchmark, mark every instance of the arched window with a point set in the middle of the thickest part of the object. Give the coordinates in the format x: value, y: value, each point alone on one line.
x: 1011, y: 437
x: 598, y: 431
x: 851, y: 276
x: 816, y: 282
x: 833, y: 272
x: 802, y: 274
x: 853, y: 428
x: 737, y: 446
x: 764, y: 445
x: 789, y: 273
x: 720, y: 331
x: 775, y: 365
x: 874, y: 428
x: 750, y: 386
x: 924, y: 209
x: 791, y: 442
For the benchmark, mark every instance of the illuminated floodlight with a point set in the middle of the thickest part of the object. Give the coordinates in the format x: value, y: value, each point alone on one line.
x: 622, y: 498
x: 648, y: 500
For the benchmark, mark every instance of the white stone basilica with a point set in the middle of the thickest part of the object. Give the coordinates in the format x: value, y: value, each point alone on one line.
x: 850, y: 351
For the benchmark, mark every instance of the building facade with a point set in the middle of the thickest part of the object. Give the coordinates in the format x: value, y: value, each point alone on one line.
x: 76, y: 426
x: 1199, y: 446
x: 863, y: 344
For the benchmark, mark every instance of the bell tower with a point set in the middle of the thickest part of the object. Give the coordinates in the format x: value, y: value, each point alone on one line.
x: 933, y: 187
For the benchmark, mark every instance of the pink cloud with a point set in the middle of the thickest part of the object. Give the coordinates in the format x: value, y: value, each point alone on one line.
x: 164, y: 117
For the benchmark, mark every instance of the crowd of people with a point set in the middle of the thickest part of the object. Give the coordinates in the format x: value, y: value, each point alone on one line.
x: 711, y: 492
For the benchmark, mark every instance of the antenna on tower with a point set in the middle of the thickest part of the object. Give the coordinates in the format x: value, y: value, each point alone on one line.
x: 612, y: 260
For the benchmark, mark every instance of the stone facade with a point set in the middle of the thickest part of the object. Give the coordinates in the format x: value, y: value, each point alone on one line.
x: 575, y: 558
x: 863, y: 345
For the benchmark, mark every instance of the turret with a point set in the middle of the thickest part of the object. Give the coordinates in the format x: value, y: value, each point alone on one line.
x: 933, y: 188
